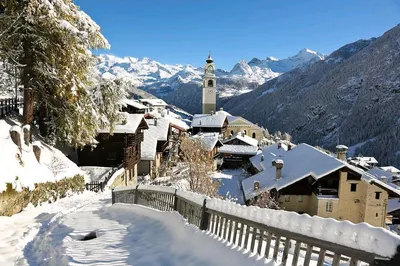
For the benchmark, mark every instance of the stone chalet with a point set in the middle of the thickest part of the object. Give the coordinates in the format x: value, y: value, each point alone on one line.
x: 307, y: 180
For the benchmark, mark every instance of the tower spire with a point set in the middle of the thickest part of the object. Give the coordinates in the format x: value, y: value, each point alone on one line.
x: 209, y: 59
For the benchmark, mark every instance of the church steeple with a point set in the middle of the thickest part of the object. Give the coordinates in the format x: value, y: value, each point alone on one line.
x: 209, y: 59
x: 209, y: 87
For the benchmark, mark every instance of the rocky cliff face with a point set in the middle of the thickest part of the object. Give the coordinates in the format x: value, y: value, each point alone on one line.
x: 352, y: 97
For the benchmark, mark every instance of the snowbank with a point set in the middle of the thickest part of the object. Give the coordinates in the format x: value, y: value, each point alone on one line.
x: 21, y: 168
x: 359, y: 236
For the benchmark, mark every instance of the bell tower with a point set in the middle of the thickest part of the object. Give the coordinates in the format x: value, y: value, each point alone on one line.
x: 209, y: 87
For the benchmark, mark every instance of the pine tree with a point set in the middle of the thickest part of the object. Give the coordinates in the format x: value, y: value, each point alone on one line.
x: 50, y: 42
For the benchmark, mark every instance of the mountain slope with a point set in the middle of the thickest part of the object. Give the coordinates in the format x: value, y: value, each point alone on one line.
x: 351, y: 97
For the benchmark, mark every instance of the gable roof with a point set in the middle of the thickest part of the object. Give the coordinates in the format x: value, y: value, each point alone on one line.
x: 171, y: 117
x: 238, y: 149
x: 379, y: 173
x: 151, y: 136
x: 233, y: 119
x: 393, y: 205
x: 268, y: 153
x: 208, y: 120
x: 244, y: 138
x: 134, y: 103
x: 300, y: 162
x: 132, y: 123
x: 208, y: 140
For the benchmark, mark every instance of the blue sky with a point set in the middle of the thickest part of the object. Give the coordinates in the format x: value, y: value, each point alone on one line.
x: 183, y: 31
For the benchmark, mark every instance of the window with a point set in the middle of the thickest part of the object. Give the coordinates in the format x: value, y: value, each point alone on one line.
x: 245, y: 132
x: 377, y: 195
x: 299, y: 198
x: 329, y: 206
x: 231, y: 132
x: 287, y: 198
x: 353, y: 187
x: 376, y: 214
x: 254, y: 135
x: 210, y: 83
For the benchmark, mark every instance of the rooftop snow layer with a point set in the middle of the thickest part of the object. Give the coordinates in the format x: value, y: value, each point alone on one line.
x: 154, y: 102
x: 238, y: 149
x: 391, y: 169
x: 299, y: 162
x: 244, y: 138
x: 152, y: 135
x: 208, y: 120
x: 132, y: 123
x: 208, y: 140
x: 172, y: 118
x: 134, y: 103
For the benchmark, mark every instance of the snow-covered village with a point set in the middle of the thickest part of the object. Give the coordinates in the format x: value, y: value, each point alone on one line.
x: 109, y: 157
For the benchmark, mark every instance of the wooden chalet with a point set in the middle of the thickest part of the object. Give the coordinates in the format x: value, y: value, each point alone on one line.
x: 134, y: 107
x: 123, y: 146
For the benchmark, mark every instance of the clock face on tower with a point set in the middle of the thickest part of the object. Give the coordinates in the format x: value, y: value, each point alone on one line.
x: 210, y: 70
x: 210, y: 91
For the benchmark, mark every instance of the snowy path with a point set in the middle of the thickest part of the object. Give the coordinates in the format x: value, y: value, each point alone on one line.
x: 126, y: 235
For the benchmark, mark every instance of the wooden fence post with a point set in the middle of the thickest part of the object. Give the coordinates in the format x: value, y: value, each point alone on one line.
x: 136, y: 195
x: 205, y: 216
x: 175, y: 201
x: 112, y: 196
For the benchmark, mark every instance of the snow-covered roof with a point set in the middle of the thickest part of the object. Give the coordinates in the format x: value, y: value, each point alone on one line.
x: 134, y: 103
x: 238, y: 149
x: 379, y: 173
x: 151, y: 136
x: 391, y: 169
x: 300, y: 162
x: 132, y: 123
x: 208, y: 140
x: 268, y: 153
x: 209, y: 120
x: 393, y: 205
x: 172, y: 118
x: 368, y: 160
x: 244, y: 138
x: 154, y: 102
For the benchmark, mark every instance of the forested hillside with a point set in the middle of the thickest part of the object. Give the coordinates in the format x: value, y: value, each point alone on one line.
x: 352, y: 97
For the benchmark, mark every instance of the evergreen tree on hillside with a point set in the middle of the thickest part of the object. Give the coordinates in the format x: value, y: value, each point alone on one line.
x: 50, y: 42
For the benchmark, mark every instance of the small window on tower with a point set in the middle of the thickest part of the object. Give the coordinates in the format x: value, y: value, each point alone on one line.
x: 254, y: 135
x: 210, y: 83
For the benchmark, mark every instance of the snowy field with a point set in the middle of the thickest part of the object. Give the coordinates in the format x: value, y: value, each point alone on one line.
x: 126, y: 235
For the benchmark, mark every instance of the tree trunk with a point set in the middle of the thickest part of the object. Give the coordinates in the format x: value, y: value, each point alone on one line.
x: 26, y: 80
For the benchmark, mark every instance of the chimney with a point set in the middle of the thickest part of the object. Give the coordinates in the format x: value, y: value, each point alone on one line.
x: 384, y: 179
x: 279, y: 145
x: 279, y: 165
x: 262, y: 157
x: 256, y: 185
x: 155, y: 121
x: 221, y: 109
x: 167, y: 111
x: 341, y: 152
x: 243, y: 134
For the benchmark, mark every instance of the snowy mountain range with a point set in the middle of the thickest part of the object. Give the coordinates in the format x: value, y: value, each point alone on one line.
x: 161, y: 79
